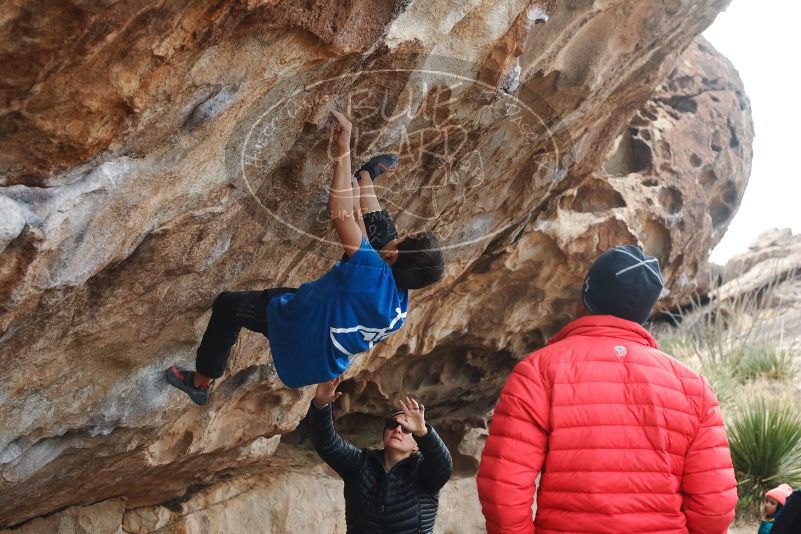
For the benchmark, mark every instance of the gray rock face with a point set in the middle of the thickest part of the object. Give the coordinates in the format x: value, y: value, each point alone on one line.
x: 12, y: 221
x: 152, y: 156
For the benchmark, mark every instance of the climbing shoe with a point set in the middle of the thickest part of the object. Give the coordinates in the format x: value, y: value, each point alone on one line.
x: 379, y: 164
x: 185, y: 381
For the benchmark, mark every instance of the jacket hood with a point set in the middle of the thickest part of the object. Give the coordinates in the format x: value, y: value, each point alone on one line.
x: 606, y: 326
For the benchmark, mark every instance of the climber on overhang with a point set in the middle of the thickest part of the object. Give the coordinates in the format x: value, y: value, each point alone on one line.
x: 391, y: 490
x: 314, y: 330
x: 626, y: 438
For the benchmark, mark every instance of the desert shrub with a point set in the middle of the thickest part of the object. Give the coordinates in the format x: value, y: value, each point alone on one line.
x: 723, y: 382
x: 732, y: 342
x: 764, y: 360
x: 726, y: 341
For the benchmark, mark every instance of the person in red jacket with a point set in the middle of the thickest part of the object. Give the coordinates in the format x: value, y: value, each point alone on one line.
x: 623, y: 437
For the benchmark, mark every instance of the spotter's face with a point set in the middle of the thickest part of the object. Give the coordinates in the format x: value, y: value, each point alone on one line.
x: 397, y: 440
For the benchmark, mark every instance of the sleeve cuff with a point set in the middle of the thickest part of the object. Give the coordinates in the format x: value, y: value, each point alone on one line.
x: 429, y: 432
x: 318, y: 406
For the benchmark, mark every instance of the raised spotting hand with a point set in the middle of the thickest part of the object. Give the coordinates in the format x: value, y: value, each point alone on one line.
x: 327, y: 392
x: 415, y: 416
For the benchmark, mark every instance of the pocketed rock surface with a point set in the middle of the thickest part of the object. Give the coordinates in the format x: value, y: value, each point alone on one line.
x: 153, y: 154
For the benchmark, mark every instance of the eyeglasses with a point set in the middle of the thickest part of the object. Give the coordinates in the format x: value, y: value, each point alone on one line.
x: 392, y: 424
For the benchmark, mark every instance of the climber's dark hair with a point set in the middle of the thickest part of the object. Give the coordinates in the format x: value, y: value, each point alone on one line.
x: 419, y: 262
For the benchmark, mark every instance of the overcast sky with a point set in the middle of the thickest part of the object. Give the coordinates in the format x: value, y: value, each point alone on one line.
x: 763, y: 40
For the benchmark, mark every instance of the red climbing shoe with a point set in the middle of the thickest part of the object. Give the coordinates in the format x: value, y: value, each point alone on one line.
x: 184, y: 380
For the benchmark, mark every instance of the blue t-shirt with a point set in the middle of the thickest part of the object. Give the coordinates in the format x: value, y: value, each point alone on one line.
x: 314, y: 332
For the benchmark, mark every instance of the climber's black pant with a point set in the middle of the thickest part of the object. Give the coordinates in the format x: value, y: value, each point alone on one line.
x: 230, y: 312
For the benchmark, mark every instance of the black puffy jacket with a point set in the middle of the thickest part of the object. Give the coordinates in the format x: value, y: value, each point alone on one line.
x: 789, y: 519
x: 401, y: 501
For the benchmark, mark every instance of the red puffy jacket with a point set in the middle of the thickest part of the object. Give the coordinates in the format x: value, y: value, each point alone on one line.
x: 627, y: 439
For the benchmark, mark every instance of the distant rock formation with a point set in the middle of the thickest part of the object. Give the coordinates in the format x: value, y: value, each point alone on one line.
x: 769, y: 274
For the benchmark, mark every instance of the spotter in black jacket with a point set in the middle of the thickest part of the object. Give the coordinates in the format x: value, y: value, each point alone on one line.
x: 401, y: 501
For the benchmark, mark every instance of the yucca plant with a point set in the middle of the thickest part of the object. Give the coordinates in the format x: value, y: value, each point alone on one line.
x: 765, y: 443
